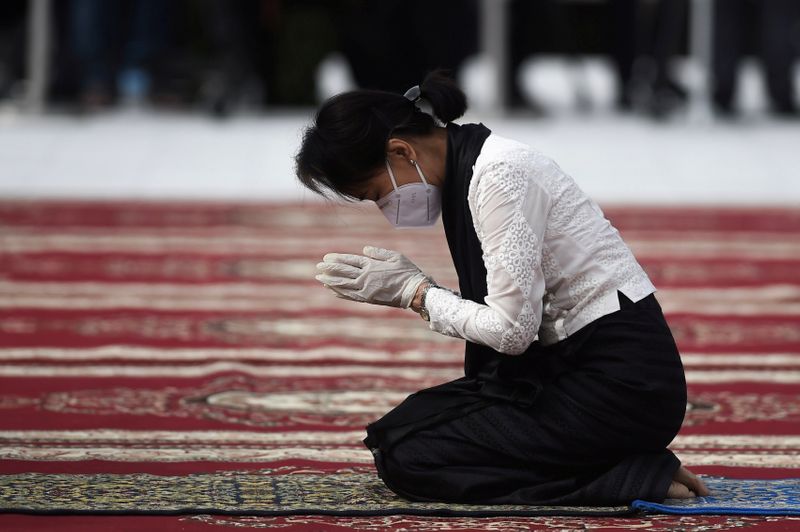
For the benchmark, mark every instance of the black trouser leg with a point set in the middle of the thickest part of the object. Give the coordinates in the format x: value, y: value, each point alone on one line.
x: 727, y: 50
x: 778, y: 19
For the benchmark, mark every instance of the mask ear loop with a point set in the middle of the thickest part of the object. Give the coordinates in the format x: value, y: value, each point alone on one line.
x: 421, y: 175
x: 394, y: 185
x: 391, y: 175
x: 427, y: 189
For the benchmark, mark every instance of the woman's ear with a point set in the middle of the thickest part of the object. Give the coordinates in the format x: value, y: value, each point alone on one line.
x: 401, y: 149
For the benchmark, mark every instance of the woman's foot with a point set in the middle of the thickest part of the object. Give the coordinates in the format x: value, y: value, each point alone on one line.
x: 685, y: 485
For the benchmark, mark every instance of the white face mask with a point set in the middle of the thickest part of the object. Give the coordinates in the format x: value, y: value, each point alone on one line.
x: 412, y: 204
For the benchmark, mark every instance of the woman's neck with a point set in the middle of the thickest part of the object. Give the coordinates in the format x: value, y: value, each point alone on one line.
x: 438, y: 156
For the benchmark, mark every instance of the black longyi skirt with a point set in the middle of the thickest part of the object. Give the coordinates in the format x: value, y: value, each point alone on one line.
x: 589, y: 426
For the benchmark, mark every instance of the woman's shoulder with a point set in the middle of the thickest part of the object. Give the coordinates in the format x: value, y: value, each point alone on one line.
x: 509, y: 168
x: 508, y: 155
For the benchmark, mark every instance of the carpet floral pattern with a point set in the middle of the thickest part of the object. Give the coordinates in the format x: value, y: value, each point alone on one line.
x: 172, y: 344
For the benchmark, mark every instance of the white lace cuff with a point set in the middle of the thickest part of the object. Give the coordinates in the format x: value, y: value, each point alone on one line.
x: 462, y: 318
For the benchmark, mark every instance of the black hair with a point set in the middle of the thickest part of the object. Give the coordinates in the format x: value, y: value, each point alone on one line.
x: 346, y: 143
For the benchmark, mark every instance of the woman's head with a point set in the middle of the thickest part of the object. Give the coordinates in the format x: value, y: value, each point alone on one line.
x: 348, y: 141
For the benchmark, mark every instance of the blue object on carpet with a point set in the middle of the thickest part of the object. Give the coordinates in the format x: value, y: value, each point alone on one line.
x: 735, y: 496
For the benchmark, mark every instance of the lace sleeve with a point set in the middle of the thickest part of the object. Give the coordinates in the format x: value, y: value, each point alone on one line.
x: 510, y: 215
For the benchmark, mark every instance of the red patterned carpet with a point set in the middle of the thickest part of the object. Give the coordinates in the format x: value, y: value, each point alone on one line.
x: 181, y: 338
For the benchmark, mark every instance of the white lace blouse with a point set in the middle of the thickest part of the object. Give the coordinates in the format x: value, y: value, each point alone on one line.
x: 553, y: 261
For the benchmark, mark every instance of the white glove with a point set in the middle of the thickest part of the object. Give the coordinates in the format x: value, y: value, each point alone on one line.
x: 380, y: 276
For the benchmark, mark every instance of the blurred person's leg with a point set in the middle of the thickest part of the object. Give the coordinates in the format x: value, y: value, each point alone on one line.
x: 92, y: 25
x: 12, y: 44
x: 779, y: 23
x: 369, y: 31
x: 535, y: 26
x: 305, y: 36
x: 571, y: 33
x: 66, y: 77
x: 521, y: 44
x: 233, y: 28
x: 669, y: 25
x: 146, y: 37
x: 445, y: 18
x: 624, y: 48
x: 392, y: 44
x: 727, y: 50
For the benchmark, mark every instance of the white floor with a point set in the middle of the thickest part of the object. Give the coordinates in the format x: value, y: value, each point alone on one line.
x: 616, y: 159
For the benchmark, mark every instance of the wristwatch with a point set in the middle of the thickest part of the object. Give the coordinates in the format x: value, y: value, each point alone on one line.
x: 423, y: 312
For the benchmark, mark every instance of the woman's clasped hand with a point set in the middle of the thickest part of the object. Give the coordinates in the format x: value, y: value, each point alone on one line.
x: 379, y: 276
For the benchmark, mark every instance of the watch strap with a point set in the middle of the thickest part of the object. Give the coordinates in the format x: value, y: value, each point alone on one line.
x: 423, y: 310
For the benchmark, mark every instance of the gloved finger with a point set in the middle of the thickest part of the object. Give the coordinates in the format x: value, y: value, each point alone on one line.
x: 345, y: 294
x: 339, y: 269
x: 379, y: 253
x: 358, y: 261
x: 338, y: 282
x: 338, y: 293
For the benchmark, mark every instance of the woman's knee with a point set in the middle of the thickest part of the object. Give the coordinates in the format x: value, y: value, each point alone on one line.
x: 409, y: 456
x: 409, y: 472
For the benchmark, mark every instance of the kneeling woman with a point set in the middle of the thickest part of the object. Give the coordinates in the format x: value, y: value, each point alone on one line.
x: 573, y: 384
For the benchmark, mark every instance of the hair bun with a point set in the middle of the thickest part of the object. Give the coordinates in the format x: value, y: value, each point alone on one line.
x: 447, y: 100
